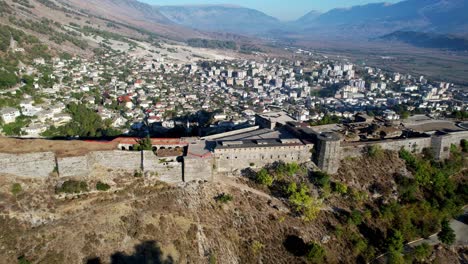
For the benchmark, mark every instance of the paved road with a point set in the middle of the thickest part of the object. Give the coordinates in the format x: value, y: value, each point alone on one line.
x: 459, y: 226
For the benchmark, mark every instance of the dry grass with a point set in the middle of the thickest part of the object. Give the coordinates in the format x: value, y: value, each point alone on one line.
x: 63, y: 148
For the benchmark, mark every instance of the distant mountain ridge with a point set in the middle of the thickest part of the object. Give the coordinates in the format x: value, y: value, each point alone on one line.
x: 441, y: 16
x: 370, y: 20
x: 234, y: 19
x: 429, y: 40
x: 135, y: 13
x: 358, y: 23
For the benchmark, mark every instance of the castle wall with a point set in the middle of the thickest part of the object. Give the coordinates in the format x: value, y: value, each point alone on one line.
x: 31, y: 165
x: 73, y: 166
x: 165, y: 169
x: 232, y: 159
x: 198, y: 169
x: 328, y: 153
x: 118, y: 160
x: 442, y: 143
x: 415, y: 145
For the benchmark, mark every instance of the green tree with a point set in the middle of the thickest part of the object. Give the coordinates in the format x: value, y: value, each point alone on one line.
x: 420, y: 253
x: 395, y: 247
x: 85, y: 123
x: 143, y: 144
x: 302, y: 202
x: 446, y: 234
x: 7, y: 79
x: 321, y: 179
x: 464, y: 145
x: 100, y: 186
x: 264, y: 178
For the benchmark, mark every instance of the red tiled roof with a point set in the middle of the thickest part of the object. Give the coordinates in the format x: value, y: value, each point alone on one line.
x: 154, y: 141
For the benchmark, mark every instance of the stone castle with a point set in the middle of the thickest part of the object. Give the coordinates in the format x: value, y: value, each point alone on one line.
x: 275, y: 138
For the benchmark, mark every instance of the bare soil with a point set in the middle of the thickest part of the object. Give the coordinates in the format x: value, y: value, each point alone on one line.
x: 63, y: 148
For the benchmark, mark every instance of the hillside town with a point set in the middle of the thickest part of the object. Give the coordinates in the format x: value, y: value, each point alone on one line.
x: 140, y: 95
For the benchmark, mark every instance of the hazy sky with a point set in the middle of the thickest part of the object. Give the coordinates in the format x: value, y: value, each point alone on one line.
x: 282, y: 9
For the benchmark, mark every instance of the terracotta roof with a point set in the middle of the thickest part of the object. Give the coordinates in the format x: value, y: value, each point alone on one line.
x: 155, y: 141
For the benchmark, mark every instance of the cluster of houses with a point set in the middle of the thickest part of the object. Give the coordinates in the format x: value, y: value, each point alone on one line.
x: 144, y: 93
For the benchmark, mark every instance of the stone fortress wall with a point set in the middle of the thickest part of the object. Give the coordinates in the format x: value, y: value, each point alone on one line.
x: 30, y: 165
x: 235, y: 159
x: 329, y: 151
x: 42, y: 165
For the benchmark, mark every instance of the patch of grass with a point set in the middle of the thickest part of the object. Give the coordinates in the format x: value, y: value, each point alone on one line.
x: 23, y: 260
x: 375, y: 151
x: 257, y: 247
x: 316, y: 253
x: 224, y: 198
x: 16, y: 189
x: 138, y: 174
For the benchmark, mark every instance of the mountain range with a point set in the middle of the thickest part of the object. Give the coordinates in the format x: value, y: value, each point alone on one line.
x: 221, y: 18
x: 440, y: 16
x: 365, y: 21
x: 429, y: 40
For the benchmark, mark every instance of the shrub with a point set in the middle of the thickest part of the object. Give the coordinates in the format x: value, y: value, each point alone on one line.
x: 138, y: 174
x: 321, y: 179
x: 446, y: 234
x: 375, y: 151
x: 224, y: 198
x: 257, y: 247
x: 100, y: 186
x: 16, y: 189
x: 407, y: 157
x: 464, y: 145
x: 316, y: 253
x: 360, y: 245
x: 212, y: 259
x: 312, y: 210
x: 23, y: 260
x: 264, y: 178
x: 302, y: 202
x: 420, y: 253
x: 72, y: 186
x: 340, y: 188
x: 357, y: 195
x: 355, y: 217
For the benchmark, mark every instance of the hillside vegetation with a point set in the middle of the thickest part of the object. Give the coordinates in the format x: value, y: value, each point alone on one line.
x: 289, y: 214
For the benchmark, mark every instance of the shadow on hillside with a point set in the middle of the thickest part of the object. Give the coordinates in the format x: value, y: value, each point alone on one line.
x: 295, y: 245
x: 147, y: 252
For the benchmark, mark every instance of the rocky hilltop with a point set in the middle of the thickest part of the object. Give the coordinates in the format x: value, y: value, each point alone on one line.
x: 113, y: 216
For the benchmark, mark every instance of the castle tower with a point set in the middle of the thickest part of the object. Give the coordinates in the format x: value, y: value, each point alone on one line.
x: 327, y: 154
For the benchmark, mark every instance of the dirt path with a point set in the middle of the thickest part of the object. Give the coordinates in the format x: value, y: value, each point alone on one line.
x: 232, y: 182
x: 243, y: 187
